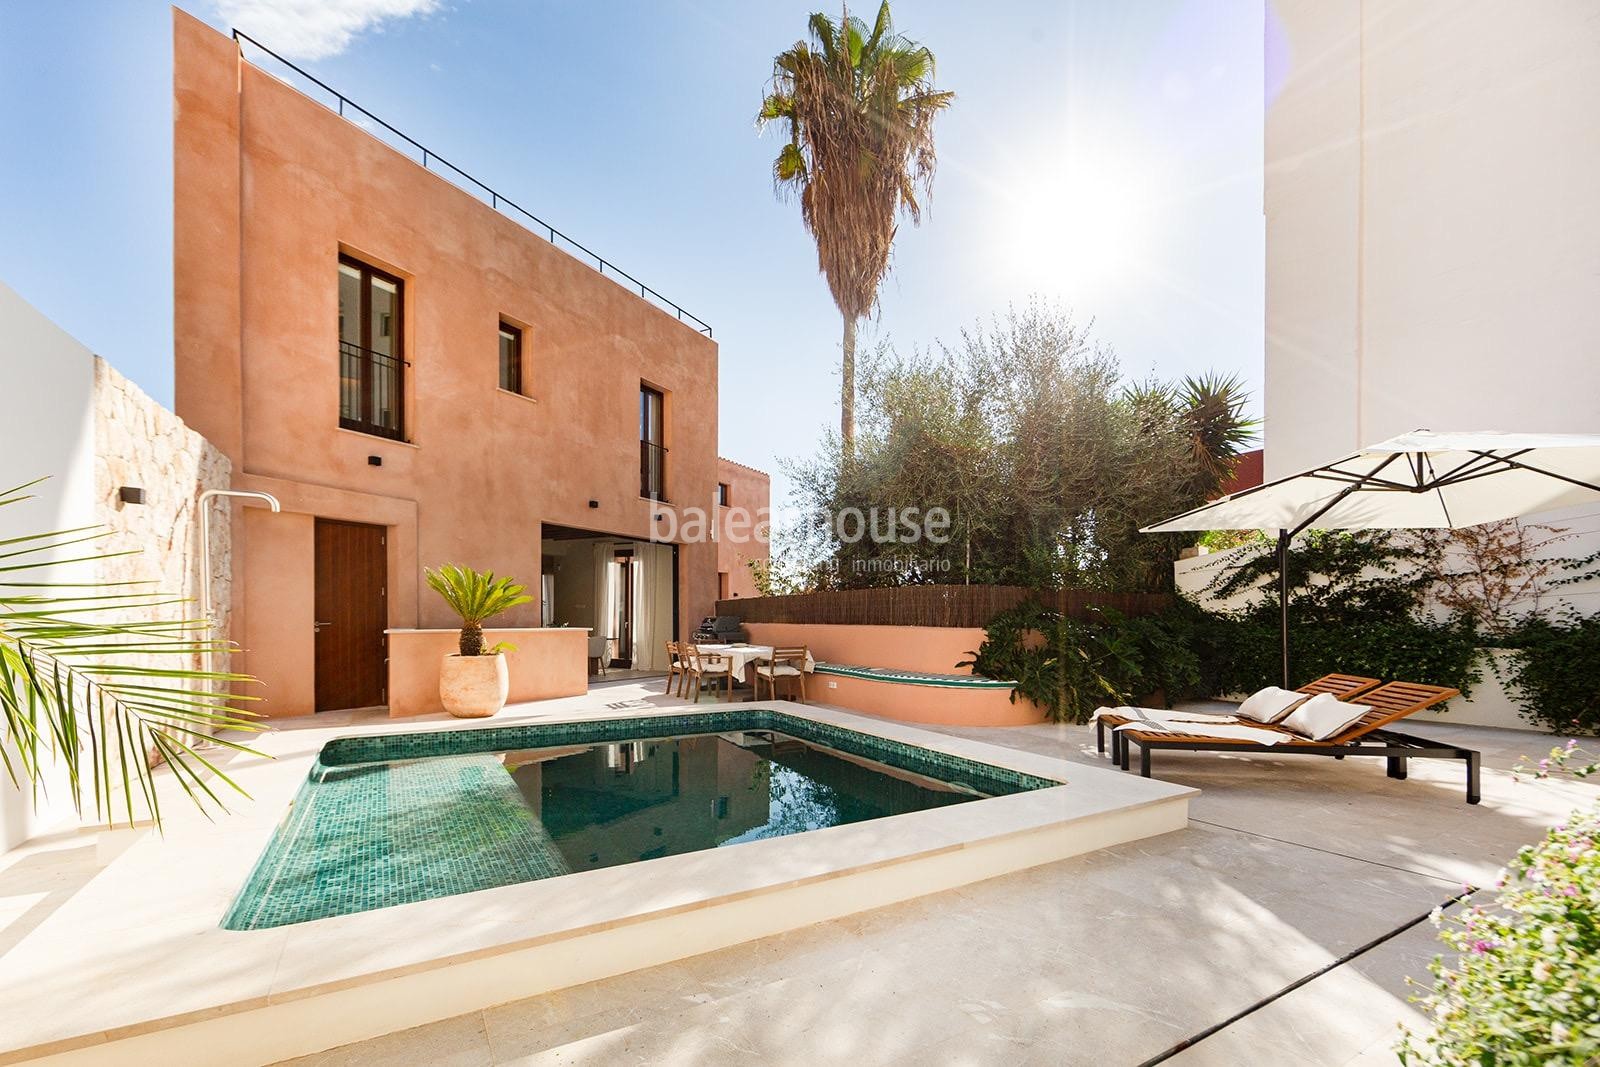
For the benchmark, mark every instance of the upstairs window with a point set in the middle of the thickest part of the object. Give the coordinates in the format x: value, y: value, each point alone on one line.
x: 652, y: 447
x: 722, y: 494
x: 371, y: 360
x: 510, y: 358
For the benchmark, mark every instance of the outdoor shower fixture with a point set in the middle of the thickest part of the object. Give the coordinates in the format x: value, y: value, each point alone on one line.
x: 205, y: 536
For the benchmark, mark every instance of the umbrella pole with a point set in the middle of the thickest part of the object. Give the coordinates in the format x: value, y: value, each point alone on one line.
x: 1283, y: 601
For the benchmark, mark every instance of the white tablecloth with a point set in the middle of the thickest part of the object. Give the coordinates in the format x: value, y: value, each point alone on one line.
x: 743, y: 655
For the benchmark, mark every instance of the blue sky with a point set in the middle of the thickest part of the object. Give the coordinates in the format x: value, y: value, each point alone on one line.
x: 1101, y: 153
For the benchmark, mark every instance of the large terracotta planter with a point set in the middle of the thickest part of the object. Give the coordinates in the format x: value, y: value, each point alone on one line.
x: 473, y: 687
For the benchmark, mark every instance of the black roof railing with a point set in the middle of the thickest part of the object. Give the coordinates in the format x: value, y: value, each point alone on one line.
x: 431, y: 160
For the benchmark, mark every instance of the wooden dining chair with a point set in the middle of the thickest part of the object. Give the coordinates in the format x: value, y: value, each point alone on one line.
x: 699, y: 665
x: 676, y: 667
x: 785, y: 663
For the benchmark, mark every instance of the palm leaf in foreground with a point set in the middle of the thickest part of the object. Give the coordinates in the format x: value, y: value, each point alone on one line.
x: 91, y: 681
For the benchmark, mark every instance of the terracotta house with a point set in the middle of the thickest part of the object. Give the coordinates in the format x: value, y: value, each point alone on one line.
x: 419, y: 378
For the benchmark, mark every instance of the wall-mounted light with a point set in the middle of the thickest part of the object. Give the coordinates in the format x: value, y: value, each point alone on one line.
x: 131, y: 494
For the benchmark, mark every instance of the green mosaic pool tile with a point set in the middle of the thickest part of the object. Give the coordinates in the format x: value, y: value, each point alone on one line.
x: 885, y: 674
x: 365, y: 836
x: 393, y: 818
x: 982, y: 777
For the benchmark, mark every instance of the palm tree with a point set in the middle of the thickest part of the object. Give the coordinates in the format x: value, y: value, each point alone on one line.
x: 86, y: 685
x: 859, y: 102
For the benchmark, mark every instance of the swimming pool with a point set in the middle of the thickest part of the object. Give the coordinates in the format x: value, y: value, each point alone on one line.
x: 397, y: 818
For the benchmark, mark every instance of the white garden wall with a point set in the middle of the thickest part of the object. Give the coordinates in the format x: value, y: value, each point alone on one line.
x: 1431, y: 223
x: 71, y: 416
x: 47, y: 382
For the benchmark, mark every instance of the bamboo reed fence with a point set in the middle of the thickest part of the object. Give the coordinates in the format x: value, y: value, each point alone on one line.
x: 931, y: 605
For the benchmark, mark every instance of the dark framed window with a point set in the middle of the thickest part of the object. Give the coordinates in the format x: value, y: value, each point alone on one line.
x: 652, y: 444
x: 372, y: 366
x: 722, y: 494
x: 510, y: 358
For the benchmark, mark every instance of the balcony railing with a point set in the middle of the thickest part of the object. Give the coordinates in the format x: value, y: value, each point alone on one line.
x: 652, y: 471
x: 431, y: 160
x: 372, y: 391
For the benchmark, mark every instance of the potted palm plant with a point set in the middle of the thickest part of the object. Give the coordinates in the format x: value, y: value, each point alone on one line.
x: 473, y: 682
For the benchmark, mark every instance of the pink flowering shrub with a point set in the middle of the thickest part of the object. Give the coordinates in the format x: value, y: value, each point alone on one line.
x: 1525, y: 988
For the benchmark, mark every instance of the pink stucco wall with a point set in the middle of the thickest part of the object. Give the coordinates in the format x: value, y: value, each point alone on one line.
x: 935, y: 649
x: 924, y: 703
x: 546, y: 663
x: 270, y: 188
x: 932, y: 649
x: 749, y: 492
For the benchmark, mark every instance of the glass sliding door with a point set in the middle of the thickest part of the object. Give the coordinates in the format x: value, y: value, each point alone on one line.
x: 371, y: 357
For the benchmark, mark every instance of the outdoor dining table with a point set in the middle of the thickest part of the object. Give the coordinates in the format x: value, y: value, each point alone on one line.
x: 745, y: 656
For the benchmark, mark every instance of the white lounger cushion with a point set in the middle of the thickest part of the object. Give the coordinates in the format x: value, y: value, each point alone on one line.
x: 1270, y: 704
x: 1323, y: 716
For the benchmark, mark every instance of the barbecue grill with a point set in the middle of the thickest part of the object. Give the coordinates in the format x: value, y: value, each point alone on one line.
x: 719, y: 630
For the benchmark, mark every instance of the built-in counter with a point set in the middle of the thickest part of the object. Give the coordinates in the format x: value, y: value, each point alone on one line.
x: 548, y: 662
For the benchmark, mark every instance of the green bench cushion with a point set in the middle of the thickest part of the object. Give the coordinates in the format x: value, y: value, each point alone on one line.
x: 889, y: 674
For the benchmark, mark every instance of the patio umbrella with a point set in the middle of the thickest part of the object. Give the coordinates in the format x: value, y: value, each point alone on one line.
x: 1421, y: 480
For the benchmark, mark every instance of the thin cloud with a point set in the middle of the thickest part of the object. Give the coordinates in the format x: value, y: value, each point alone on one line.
x: 316, y: 29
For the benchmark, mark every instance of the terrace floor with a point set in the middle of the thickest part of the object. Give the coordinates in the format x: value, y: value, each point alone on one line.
x: 1111, y: 958
x: 1115, y: 957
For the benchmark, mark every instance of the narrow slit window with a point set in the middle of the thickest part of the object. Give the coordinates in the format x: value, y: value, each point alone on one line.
x: 652, y: 444
x: 511, y: 358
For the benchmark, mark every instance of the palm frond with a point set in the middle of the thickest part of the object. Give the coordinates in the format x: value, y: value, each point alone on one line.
x: 476, y: 596
x: 97, y: 682
x: 860, y: 104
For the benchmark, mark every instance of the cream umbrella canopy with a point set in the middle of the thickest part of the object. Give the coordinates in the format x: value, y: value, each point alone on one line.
x: 1420, y: 480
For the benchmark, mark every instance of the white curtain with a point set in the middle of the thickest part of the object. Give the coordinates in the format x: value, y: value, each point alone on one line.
x: 652, y: 604
x: 652, y: 577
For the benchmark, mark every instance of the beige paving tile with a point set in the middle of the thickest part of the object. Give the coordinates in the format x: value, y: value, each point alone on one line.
x: 459, y: 1042
x: 1105, y: 958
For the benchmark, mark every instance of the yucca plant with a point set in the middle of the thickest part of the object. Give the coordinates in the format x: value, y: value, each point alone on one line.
x: 476, y: 596
x: 86, y: 681
x: 1212, y: 407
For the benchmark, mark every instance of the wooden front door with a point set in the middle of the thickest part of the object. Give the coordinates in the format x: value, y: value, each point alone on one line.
x: 352, y: 649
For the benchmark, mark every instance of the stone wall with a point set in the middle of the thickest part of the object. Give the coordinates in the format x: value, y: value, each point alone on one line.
x: 139, y: 443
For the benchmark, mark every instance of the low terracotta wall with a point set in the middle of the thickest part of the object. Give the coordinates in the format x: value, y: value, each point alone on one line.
x: 936, y: 705
x: 547, y: 663
x: 932, y: 649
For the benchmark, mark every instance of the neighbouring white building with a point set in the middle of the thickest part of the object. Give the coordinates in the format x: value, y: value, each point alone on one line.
x: 1432, y: 237
x: 1432, y: 222
x: 1433, y: 228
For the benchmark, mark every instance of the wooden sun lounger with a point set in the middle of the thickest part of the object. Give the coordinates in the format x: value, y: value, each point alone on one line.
x: 1343, y: 686
x: 1367, y: 736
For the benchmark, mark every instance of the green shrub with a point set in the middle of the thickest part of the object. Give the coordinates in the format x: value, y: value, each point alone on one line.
x: 1072, y: 666
x: 1525, y: 988
x: 1243, y: 653
x: 1556, y: 675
